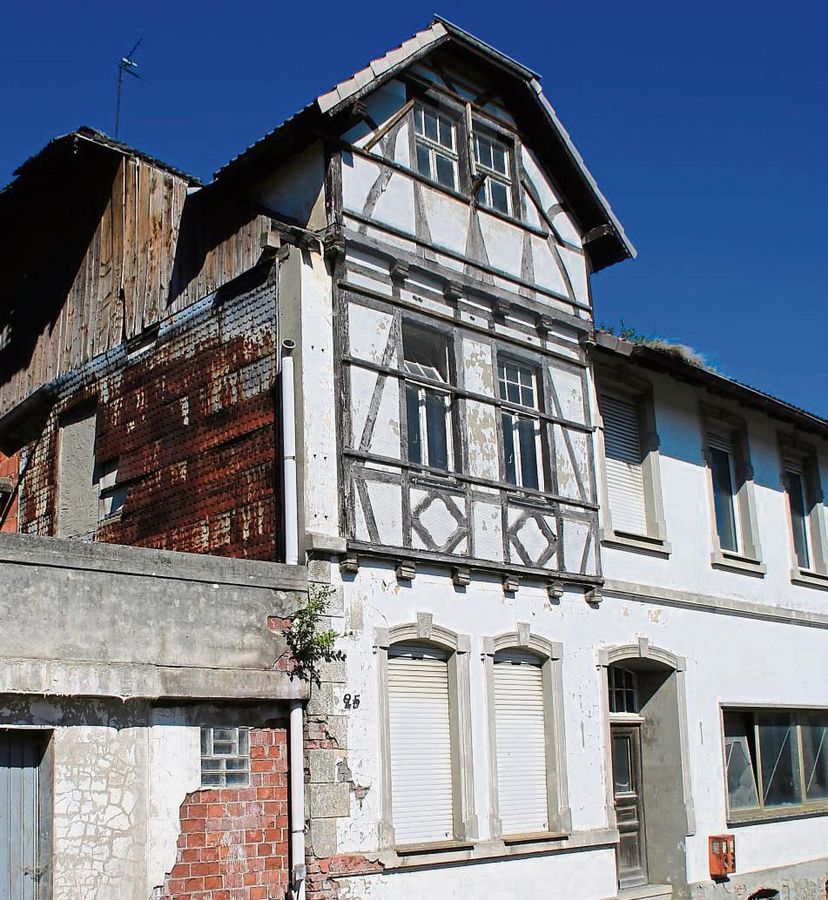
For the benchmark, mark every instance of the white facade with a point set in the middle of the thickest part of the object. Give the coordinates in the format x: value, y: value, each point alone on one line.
x: 437, y: 555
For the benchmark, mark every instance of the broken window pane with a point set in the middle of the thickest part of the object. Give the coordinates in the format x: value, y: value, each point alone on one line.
x: 815, y: 753
x: 780, y: 760
x: 740, y: 757
x: 721, y: 466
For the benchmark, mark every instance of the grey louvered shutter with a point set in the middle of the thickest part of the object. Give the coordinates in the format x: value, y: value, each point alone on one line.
x: 521, y: 744
x: 624, y: 464
x: 420, y: 732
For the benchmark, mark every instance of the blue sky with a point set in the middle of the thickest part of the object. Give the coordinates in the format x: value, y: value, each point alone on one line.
x: 705, y: 125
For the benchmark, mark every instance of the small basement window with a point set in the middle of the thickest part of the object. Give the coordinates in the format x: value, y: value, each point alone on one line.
x: 225, y: 757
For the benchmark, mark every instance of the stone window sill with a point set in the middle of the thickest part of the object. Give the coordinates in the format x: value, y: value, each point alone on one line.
x: 447, y: 852
x: 808, y: 578
x: 722, y: 559
x: 533, y: 837
x: 654, y: 545
x: 776, y: 814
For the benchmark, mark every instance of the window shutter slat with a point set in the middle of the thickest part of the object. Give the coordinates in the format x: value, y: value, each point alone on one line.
x: 521, y: 746
x: 421, y: 785
x: 624, y: 458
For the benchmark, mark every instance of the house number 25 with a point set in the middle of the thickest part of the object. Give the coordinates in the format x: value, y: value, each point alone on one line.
x: 351, y: 702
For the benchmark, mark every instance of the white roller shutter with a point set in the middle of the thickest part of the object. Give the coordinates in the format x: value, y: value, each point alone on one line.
x: 521, y: 744
x: 625, y: 472
x: 421, y: 784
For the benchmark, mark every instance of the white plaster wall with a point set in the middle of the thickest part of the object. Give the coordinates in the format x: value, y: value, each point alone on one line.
x: 99, y: 812
x: 689, y: 515
x: 295, y: 189
x: 520, y: 878
x: 174, y: 770
x: 319, y: 397
x: 722, y: 668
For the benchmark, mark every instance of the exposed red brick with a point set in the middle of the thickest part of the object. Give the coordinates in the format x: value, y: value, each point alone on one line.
x: 224, y: 850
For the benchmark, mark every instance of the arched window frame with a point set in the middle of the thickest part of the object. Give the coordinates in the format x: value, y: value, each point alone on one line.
x: 457, y: 646
x: 626, y: 653
x: 550, y: 655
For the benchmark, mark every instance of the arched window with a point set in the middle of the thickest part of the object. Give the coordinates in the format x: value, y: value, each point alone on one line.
x: 526, y: 741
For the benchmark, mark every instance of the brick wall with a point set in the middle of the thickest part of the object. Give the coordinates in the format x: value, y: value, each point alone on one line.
x: 192, y: 425
x: 233, y: 843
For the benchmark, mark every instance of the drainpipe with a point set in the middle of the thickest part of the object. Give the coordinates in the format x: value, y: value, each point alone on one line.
x: 296, y: 762
x: 290, y: 503
x: 296, y: 769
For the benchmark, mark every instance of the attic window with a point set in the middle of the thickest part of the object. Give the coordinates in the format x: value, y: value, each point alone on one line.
x: 435, y: 145
x: 493, y: 160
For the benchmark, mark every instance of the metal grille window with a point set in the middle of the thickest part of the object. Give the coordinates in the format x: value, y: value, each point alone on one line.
x: 623, y: 690
x: 435, y: 145
x: 775, y: 759
x: 522, y: 445
x: 493, y: 161
x: 428, y: 408
x: 225, y: 757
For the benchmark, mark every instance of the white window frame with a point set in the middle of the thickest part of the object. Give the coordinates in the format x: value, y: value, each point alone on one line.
x: 457, y: 647
x: 797, y: 717
x: 724, y: 431
x: 550, y: 658
x: 619, y: 385
x: 429, y: 371
x: 492, y: 174
x: 801, y: 459
x: 515, y: 415
x: 436, y: 147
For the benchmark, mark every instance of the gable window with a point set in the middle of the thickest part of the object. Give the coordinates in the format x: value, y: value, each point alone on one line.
x: 225, y: 757
x: 522, y: 446
x: 775, y: 760
x: 731, y: 486
x: 493, y: 160
x: 428, y: 407
x: 435, y: 145
x: 800, y: 479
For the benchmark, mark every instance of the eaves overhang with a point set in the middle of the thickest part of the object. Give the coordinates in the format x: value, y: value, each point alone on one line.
x: 611, y: 348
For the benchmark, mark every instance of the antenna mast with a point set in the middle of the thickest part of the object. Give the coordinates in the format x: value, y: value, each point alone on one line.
x: 126, y: 65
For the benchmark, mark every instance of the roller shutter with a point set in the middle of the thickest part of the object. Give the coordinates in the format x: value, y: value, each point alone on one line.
x: 625, y: 472
x: 421, y: 783
x: 521, y: 743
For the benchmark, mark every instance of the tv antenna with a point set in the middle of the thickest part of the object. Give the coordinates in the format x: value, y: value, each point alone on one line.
x: 128, y: 66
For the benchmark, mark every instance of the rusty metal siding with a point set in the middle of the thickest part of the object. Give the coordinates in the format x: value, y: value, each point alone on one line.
x: 191, y: 423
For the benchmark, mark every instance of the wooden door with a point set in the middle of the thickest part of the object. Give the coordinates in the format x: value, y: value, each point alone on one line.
x: 629, y: 807
x: 24, y: 858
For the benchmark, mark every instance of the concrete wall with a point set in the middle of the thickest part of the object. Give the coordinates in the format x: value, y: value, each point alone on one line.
x: 92, y: 619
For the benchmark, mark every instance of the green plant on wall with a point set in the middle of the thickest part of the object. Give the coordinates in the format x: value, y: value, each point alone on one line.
x: 308, y: 642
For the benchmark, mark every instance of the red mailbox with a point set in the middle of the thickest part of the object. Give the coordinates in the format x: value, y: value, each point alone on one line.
x: 722, y: 855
